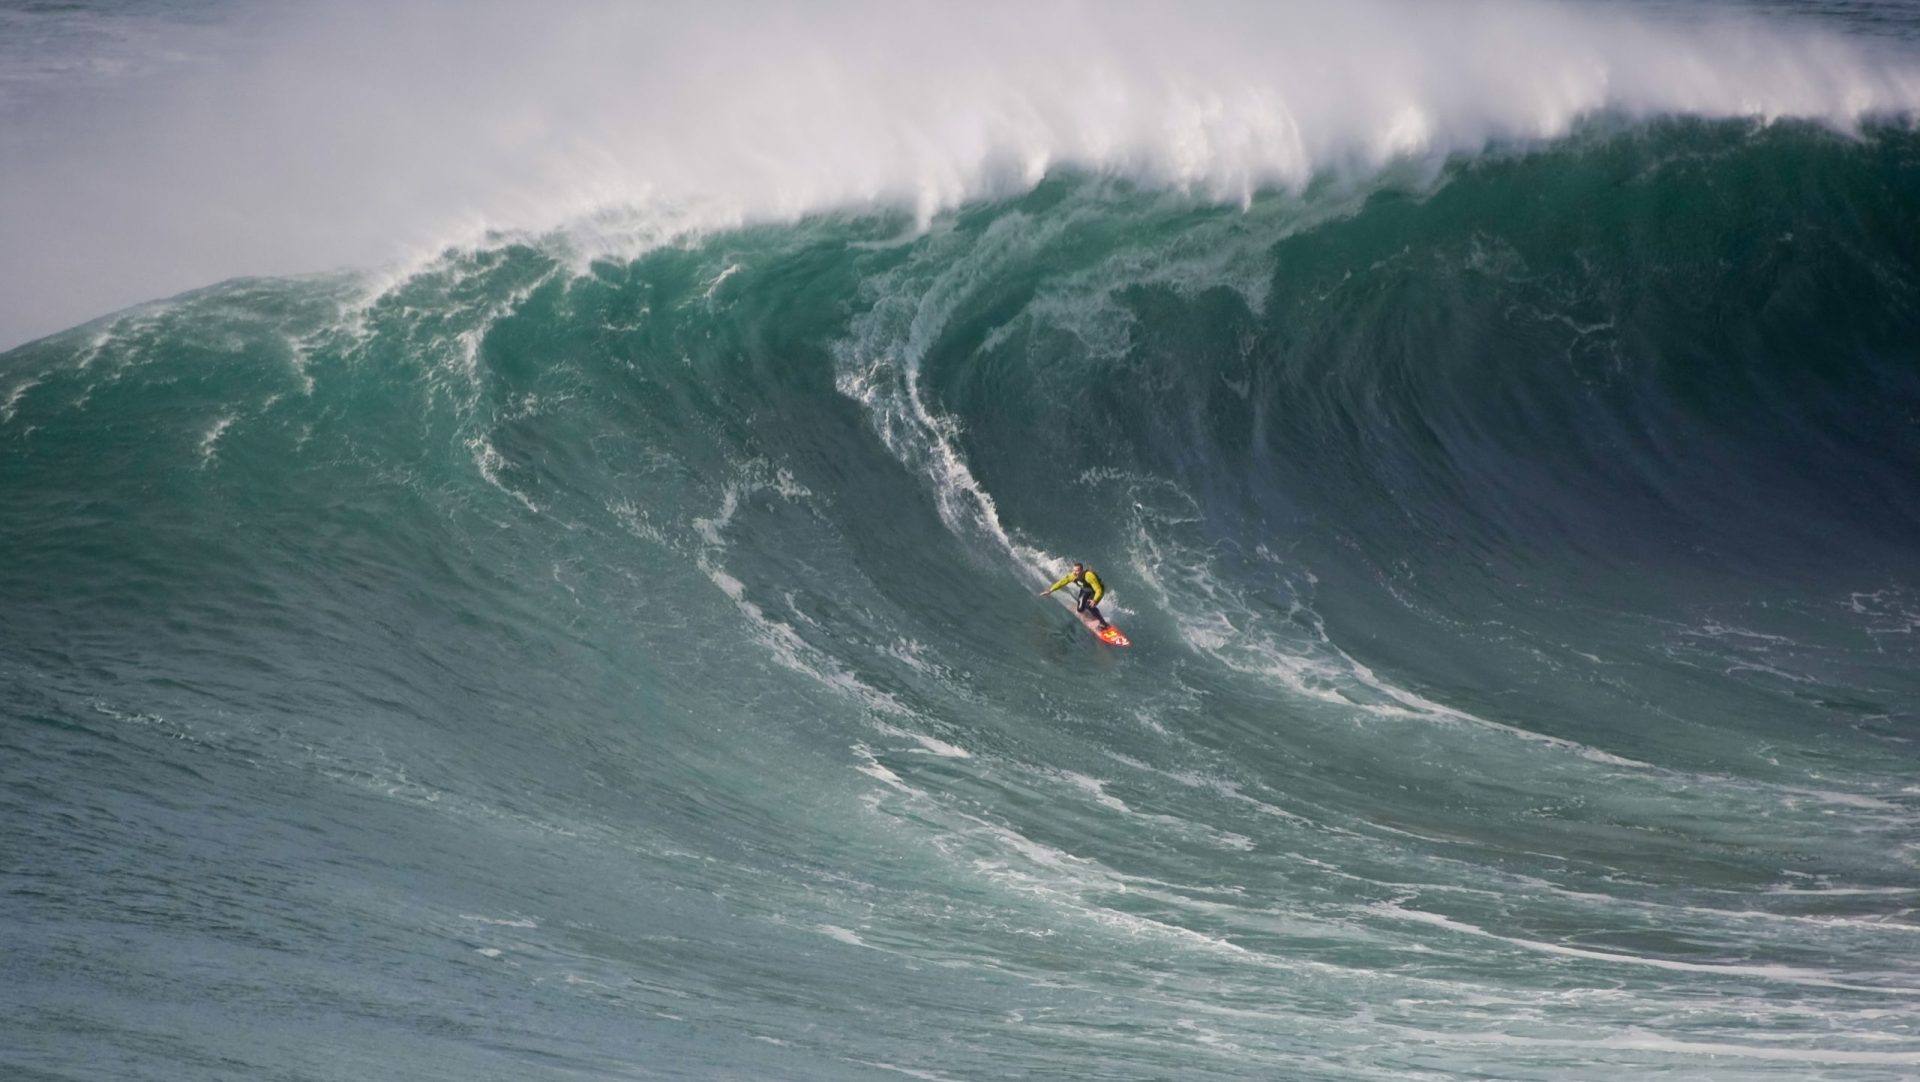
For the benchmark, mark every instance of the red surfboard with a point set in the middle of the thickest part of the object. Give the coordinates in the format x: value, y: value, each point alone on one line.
x: 1112, y: 635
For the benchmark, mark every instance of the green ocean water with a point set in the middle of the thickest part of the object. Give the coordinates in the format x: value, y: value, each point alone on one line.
x: 547, y: 666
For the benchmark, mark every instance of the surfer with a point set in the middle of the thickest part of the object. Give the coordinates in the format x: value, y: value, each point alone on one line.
x: 1091, y: 590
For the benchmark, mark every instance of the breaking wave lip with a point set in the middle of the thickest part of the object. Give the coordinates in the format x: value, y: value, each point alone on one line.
x: 936, y: 112
x: 614, y: 126
x: 937, y: 115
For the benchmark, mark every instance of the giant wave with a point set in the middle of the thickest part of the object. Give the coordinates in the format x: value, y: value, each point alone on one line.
x: 607, y: 647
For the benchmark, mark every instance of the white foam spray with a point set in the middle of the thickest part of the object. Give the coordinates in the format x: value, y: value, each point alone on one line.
x: 304, y: 137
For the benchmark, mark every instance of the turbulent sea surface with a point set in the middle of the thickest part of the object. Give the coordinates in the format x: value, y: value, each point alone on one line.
x: 600, y: 648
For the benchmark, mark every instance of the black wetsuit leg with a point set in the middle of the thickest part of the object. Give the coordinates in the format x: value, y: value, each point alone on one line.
x: 1087, y: 606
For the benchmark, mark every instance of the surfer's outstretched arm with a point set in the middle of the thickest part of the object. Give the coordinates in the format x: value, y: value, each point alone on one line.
x: 1063, y: 581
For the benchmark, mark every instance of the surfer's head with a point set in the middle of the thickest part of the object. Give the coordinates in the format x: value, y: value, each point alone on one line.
x: 1079, y: 567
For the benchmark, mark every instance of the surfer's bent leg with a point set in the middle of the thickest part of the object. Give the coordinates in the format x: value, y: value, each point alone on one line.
x: 1087, y: 606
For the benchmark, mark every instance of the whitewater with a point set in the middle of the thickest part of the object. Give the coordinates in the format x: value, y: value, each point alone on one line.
x: 522, y: 526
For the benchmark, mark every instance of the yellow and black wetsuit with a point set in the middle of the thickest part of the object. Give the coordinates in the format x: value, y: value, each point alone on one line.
x: 1091, y: 591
